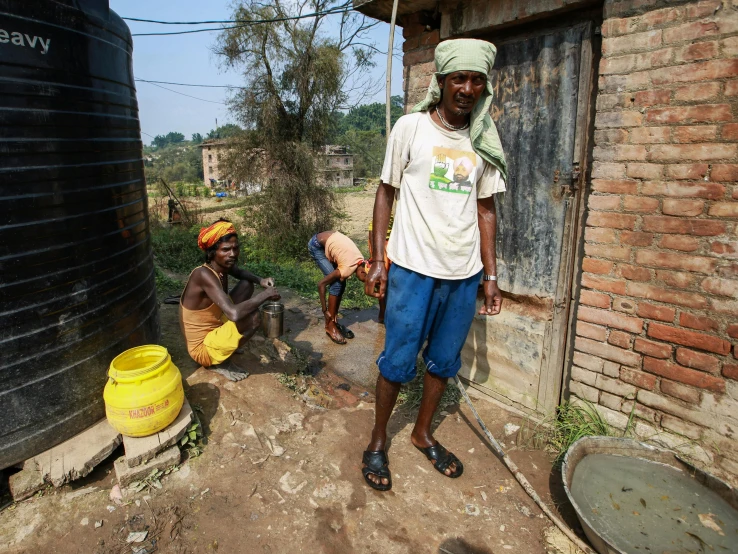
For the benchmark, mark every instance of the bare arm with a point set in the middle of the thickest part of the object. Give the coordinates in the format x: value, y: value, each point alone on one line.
x: 213, y: 289
x: 245, y: 275
x: 487, y: 220
x: 326, y: 281
x: 382, y: 209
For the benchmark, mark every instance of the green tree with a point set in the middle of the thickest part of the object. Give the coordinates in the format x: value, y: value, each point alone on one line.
x: 196, y: 138
x: 298, y: 75
x: 228, y: 130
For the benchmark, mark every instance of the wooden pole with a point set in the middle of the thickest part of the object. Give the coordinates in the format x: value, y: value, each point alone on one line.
x: 390, y: 48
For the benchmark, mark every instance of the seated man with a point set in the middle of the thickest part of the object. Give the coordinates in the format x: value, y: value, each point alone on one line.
x: 214, y: 323
x: 338, y: 258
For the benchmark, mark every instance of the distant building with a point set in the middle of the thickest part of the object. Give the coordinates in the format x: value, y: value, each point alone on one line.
x: 211, y: 152
x: 336, y: 168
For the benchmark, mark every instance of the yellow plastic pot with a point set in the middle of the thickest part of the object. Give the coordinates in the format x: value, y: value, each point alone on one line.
x: 144, y: 391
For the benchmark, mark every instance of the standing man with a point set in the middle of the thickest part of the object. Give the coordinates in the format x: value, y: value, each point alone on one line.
x: 214, y: 321
x: 444, y: 163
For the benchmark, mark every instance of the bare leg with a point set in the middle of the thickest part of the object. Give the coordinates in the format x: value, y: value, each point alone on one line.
x: 433, y: 387
x: 330, y: 324
x: 247, y: 326
x: 386, y: 398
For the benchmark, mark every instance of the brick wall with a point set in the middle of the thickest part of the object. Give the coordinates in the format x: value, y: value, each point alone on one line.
x: 657, y: 320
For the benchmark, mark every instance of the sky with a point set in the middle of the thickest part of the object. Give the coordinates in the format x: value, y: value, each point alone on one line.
x: 189, y: 59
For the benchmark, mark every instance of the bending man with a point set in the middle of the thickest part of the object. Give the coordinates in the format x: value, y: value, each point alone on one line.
x: 446, y: 163
x: 215, y: 323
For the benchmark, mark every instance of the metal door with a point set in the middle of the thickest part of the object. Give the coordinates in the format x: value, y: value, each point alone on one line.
x: 542, y: 90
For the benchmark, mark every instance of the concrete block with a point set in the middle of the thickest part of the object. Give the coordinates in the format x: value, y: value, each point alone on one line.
x: 127, y: 475
x: 141, y: 449
x: 68, y: 461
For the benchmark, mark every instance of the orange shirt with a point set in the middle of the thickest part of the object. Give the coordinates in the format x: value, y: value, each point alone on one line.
x: 341, y: 250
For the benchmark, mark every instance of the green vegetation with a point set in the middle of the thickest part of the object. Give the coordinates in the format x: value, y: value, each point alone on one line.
x: 165, y: 285
x: 179, y: 162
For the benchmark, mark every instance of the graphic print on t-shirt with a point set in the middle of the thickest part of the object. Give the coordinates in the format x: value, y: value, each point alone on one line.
x: 453, y: 170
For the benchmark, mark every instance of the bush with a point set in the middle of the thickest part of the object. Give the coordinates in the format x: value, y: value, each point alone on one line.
x: 175, y: 248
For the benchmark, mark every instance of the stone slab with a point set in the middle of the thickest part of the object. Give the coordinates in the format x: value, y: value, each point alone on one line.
x: 127, y: 475
x: 68, y: 461
x: 141, y: 449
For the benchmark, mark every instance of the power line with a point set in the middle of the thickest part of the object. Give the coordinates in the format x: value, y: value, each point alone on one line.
x: 188, y: 95
x: 188, y: 84
x: 148, y: 135
x: 240, y: 23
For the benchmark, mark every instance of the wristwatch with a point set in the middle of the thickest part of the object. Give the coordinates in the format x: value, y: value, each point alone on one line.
x: 489, y: 277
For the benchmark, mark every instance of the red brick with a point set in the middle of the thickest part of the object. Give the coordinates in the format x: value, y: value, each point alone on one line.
x: 611, y: 319
x: 697, y: 322
x: 650, y: 135
x: 686, y: 171
x: 636, y: 238
x: 615, y: 186
x: 730, y: 47
x: 660, y: 294
x: 697, y: 51
x: 723, y: 209
x: 731, y: 88
x: 624, y: 305
x: 644, y: 171
x: 638, y: 378
x: 672, y: 371
x: 676, y: 261
x: 676, y: 278
x: 608, y: 136
x: 604, y: 284
x: 588, y: 330
x: 619, y: 338
x: 607, y: 251
x: 698, y: 360
x: 660, y: 313
x: 640, y: 204
x: 730, y: 131
x: 701, y: 133
x: 677, y: 390
x: 729, y: 307
x: 601, y: 267
x: 733, y: 330
x: 600, y: 234
x: 679, y: 242
x: 705, y: 113
x: 605, y: 120
x: 721, y: 287
x: 700, y: 71
x: 694, y: 339
x: 681, y: 226
x: 603, y: 202
x: 679, y: 189
x: 729, y: 271
x: 632, y: 42
x: 653, y: 349
x: 647, y: 98
x: 633, y: 273
x: 418, y: 56
x: 724, y: 172
x: 630, y: 81
x: 696, y: 30
x: 672, y: 206
x: 700, y: 92
x: 696, y: 151
x: 430, y: 38
x: 703, y: 8
x: 605, y: 170
x: 730, y: 371
x: 608, y: 352
x: 592, y: 298
x: 726, y: 249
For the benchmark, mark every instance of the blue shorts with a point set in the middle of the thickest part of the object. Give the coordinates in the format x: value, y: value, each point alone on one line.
x: 317, y: 253
x: 419, y: 308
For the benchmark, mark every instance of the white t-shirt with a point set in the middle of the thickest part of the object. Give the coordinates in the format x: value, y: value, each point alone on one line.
x: 440, y: 178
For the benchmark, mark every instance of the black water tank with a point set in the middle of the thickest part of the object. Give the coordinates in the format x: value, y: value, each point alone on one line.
x: 76, y: 267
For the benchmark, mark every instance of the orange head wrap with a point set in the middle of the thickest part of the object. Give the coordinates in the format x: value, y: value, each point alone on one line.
x: 210, y: 235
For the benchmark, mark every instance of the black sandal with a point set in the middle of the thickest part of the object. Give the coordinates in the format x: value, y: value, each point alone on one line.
x: 376, y: 463
x: 345, y: 331
x: 443, y: 459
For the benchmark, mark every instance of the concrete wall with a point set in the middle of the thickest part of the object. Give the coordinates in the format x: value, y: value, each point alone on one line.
x: 657, y: 319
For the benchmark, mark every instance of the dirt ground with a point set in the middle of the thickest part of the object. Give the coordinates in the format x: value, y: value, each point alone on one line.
x: 280, y: 468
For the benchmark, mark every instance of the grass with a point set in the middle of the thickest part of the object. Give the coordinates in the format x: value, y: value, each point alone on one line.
x: 411, y: 393
x: 571, y: 422
x: 342, y: 190
x: 165, y: 285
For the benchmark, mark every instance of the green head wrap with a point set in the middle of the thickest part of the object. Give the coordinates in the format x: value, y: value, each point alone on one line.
x: 470, y: 55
